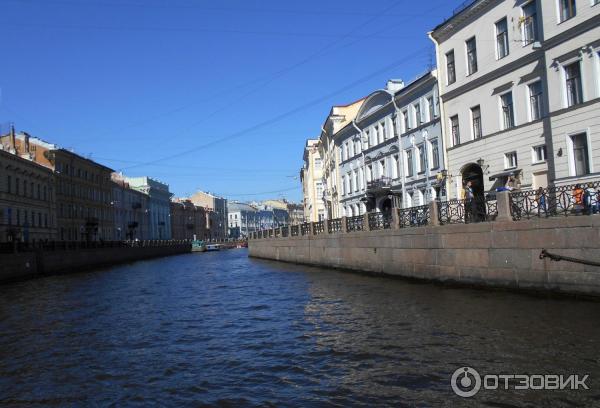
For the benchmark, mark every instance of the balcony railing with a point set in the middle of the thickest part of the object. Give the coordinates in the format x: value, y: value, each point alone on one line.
x: 295, y: 230
x: 575, y: 199
x: 382, y: 182
x: 305, y: 228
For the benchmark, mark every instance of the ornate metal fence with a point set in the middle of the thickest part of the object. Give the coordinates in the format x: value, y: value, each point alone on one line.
x: 575, y: 199
x: 285, y: 232
x: 334, y: 226
x: 414, y: 216
x: 295, y: 230
x: 380, y: 220
x: 277, y: 232
x: 355, y: 223
x: 305, y: 228
x: 318, y: 227
x: 468, y: 211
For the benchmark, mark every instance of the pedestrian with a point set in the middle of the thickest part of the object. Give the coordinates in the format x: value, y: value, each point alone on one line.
x: 540, y: 198
x: 469, y: 202
x: 578, y: 194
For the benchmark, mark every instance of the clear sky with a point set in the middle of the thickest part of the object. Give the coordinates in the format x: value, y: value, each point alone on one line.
x: 212, y: 95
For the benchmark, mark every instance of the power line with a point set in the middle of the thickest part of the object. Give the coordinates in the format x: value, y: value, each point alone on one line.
x: 282, y: 116
x: 262, y: 193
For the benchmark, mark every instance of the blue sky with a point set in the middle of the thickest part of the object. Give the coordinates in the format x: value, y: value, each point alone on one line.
x: 213, y: 95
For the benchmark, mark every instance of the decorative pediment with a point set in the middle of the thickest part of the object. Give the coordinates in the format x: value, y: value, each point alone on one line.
x: 373, y: 103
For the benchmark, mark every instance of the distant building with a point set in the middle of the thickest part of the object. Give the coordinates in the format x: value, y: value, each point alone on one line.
x: 242, y: 219
x: 311, y: 176
x: 216, y: 213
x: 188, y: 222
x: 159, y: 205
x: 130, y: 211
x: 83, y: 189
x: 296, y: 213
x: 27, y: 196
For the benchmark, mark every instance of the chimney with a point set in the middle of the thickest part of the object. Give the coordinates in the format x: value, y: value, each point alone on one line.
x: 394, y: 85
x: 12, y: 139
x: 26, y: 142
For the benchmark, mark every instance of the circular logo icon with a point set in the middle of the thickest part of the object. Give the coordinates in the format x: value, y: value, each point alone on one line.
x: 466, y: 382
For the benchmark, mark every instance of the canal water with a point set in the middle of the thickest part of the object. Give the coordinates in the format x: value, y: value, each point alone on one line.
x: 219, y: 329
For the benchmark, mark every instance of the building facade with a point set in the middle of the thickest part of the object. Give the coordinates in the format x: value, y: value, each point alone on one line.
x: 131, y: 209
x: 216, y: 213
x: 157, y: 214
x: 27, y: 197
x: 242, y: 219
x: 519, y: 89
x: 311, y: 177
x: 188, y: 222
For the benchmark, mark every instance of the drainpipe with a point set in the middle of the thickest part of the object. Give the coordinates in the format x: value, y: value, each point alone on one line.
x: 362, y: 153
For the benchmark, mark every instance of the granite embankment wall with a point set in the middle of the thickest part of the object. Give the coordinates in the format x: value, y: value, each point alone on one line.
x: 503, y: 253
x: 26, y: 265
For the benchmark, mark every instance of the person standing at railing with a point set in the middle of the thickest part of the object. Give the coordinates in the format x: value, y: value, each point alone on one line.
x: 578, y: 195
x: 540, y: 199
x: 469, y: 202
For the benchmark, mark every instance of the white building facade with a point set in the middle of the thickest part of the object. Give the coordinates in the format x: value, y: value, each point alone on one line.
x: 519, y: 90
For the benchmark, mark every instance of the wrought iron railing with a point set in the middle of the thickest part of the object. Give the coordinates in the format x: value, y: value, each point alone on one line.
x: 468, y: 211
x: 305, y: 228
x: 379, y: 183
x: 295, y: 230
x: 355, y: 223
x: 334, y: 226
x: 277, y: 232
x: 285, y: 232
x: 318, y: 227
x: 575, y: 199
x: 270, y: 233
x: 414, y: 216
x: 380, y: 220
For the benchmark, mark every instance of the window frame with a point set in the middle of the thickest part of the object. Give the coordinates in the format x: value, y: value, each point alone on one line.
x: 455, y: 136
x: 504, y: 35
x: 571, y: 149
x: 513, y: 118
x: 450, y: 79
x: 527, y: 41
x: 508, y: 165
x: 472, y: 64
x: 566, y: 79
x: 540, y: 100
x: 534, y: 154
x: 473, y: 133
x: 561, y: 11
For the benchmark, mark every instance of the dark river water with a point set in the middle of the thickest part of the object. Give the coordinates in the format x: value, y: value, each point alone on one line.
x: 219, y: 329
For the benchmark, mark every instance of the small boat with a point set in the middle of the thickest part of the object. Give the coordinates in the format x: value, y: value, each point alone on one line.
x: 213, y: 247
x: 198, y: 246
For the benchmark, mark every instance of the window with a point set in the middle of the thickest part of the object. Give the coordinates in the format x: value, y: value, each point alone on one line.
x: 367, y: 139
x: 455, y: 130
x: 508, y: 114
x: 395, y: 166
x: 529, y: 23
x: 567, y: 9
x: 471, y: 56
x: 435, y: 154
x: 319, y: 190
x: 383, y: 134
x: 370, y: 172
x: 382, y: 172
x: 422, y: 158
x: 417, y: 114
x: 409, y: 164
x: 476, y: 118
x: 395, y: 124
x: 355, y: 179
x: 573, y: 79
x: 539, y: 154
x: 535, y: 100
x: 8, y: 184
x: 431, y: 108
x: 318, y: 163
x: 502, y: 38
x: 406, y: 120
x: 580, y: 154
x: 450, y: 67
x: 510, y: 160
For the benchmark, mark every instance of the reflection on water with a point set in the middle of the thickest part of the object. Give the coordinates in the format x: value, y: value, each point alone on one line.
x: 220, y: 329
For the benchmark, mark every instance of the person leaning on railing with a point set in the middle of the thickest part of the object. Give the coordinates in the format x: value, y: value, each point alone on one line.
x: 578, y: 194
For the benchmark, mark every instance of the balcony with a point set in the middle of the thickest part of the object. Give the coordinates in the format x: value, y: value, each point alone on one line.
x: 381, y: 183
